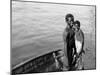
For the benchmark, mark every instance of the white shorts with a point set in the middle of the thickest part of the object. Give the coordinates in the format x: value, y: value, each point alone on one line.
x: 78, y: 46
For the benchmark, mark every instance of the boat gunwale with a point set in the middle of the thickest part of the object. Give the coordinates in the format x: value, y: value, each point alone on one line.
x: 33, y: 58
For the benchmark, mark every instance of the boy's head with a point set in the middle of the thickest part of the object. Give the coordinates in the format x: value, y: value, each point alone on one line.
x: 77, y: 25
x: 69, y: 18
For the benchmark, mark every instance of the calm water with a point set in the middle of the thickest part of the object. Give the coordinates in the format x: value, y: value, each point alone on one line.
x: 37, y: 29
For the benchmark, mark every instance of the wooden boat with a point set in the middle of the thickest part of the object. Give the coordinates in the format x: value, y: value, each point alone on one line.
x: 43, y: 63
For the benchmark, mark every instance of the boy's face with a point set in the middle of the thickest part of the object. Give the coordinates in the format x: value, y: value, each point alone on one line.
x: 70, y: 22
x: 76, y: 28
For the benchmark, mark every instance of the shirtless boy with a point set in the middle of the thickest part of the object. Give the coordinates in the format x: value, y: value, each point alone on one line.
x: 79, y: 43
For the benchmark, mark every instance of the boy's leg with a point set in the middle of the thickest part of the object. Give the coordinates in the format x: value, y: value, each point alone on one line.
x: 70, y: 58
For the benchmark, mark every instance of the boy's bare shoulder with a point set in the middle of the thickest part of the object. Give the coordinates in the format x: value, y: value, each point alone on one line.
x: 81, y: 32
x: 65, y: 31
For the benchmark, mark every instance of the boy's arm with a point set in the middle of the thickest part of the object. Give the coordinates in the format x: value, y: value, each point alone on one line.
x: 65, y: 42
x: 82, y: 35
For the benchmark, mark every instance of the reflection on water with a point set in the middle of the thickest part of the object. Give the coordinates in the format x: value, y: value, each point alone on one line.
x: 37, y: 28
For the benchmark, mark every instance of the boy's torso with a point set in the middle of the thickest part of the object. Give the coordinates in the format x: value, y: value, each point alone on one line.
x: 70, y: 37
x: 79, y: 36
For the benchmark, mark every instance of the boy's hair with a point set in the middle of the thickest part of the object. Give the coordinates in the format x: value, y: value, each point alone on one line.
x: 78, y: 23
x: 69, y: 15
